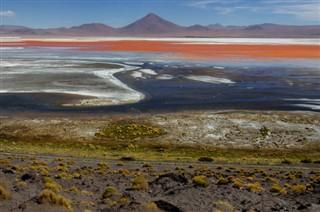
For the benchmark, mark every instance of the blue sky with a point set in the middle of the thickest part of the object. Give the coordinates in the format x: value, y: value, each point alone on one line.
x: 118, y: 13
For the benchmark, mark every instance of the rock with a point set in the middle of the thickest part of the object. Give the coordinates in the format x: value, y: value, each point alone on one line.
x: 8, y: 171
x: 31, y: 177
x: 175, y: 177
x: 166, y: 206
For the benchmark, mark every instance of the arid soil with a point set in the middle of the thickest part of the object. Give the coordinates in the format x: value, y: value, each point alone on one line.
x: 61, y: 183
x: 37, y: 183
x: 225, y: 128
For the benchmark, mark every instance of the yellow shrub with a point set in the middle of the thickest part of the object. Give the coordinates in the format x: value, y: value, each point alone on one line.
x: 298, y: 188
x: 140, y: 183
x: 109, y: 191
x: 4, y: 193
x: 200, y: 180
x: 254, y: 187
x: 276, y: 188
x: 54, y: 199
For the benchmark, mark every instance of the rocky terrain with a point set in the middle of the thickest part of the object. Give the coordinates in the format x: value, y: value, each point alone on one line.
x: 35, y: 183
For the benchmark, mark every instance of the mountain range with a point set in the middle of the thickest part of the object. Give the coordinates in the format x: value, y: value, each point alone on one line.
x: 154, y: 26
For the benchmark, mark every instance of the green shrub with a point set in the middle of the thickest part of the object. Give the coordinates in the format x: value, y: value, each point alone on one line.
x: 123, y: 200
x: 129, y: 131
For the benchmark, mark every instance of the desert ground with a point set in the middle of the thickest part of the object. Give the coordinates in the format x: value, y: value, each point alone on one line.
x: 183, y: 161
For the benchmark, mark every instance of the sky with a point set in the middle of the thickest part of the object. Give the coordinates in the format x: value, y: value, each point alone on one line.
x: 119, y: 13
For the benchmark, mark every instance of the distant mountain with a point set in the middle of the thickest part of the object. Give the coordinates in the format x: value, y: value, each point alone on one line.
x: 22, y: 31
x: 94, y: 29
x: 151, y: 25
x: 198, y: 27
x: 212, y: 26
x: 154, y: 26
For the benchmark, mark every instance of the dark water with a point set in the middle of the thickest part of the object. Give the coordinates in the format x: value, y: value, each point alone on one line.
x: 257, y: 89
x: 257, y: 86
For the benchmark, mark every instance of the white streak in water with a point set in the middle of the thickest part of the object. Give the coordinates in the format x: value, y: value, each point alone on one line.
x: 313, y: 107
x: 148, y: 71
x: 165, y: 77
x: 209, y: 79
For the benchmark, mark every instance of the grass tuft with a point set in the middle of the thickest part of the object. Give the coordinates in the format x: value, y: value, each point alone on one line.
x: 276, y: 188
x: 54, y: 199
x: 109, y: 191
x: 4, y: 193
x: 140, y: 183
x: 200, y: 180
x: 256, y: 187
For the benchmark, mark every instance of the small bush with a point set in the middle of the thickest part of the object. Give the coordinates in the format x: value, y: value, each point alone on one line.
x: 223, y: 181
x: 287, y: 162
x: 120, y: 164
x: 224, y: 206
x: 127, y: 158
x: 264, y: 131
x: 124, y: 172
x: 4, y: 193
x: 54, y: 199
x: 298, y: 188
x: 150, y: 207
x: 290, y: 177
x: 205, y: 159
x: 237, y: 184
x: 22, y: 184
x: 4, y: 162
x: 64, y: 175
x: 51, y: 184
x: 254, y: 187
x: 85, y: 192
x: 74, y: 189
x: 140, y: 183
x: 306, y: 161
x: 276, y: 188
x: 109, y: 191
x: 147, y: 165
x: 103, y: 165
x: 200, y: 180
x: 123, y: 200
